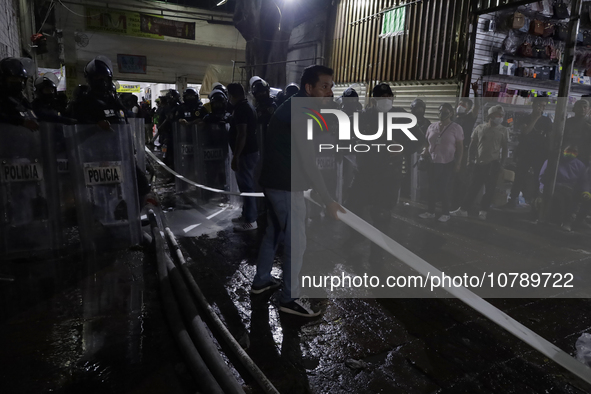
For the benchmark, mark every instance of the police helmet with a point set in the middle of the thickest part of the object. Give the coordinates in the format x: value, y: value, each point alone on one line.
x: 173, y: 96
x: 418, y: 103
x: 13, y: 75
x: 43, y: 83
x: 349, y: 93
x: 219, y: 86
x: 12, y: 66
x: 260, y: 86
x: 291, y: 89
x: 99, y: 75
x: 217, y: 96
x: 190, y: 94
x: 253, y: 80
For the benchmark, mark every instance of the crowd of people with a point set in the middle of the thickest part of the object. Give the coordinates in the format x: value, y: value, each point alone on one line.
x: 459, y: 156
x: 481, y: 161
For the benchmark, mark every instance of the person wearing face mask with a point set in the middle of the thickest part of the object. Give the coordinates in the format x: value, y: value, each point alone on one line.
x: 446, y: 149
x: 14, y: 106
x: 532, y: 150
x: 488, y: 153
x: 577, y: 131
x: 570, y: 177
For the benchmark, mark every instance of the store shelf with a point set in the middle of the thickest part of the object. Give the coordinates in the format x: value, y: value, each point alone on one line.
x: 534, y: 82
x: 538, y: 62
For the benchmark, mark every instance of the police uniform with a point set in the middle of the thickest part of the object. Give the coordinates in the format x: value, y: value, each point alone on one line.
x: 15, y: 110
x: 190, y: 111
x: 92, y: 108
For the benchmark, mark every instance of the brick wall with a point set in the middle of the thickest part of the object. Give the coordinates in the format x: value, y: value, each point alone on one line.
x: 9, y: 34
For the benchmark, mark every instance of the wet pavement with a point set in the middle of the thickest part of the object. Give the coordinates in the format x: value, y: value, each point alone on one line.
x: 75, y: 326
x: 397, y: 345
x: 86, y: 325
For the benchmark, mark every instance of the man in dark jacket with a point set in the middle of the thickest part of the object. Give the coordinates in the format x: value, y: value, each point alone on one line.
x: 284, y: 191
x: 245, y: 150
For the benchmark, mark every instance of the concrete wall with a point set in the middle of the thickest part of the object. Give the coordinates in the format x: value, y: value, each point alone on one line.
x: 169, y: 60
x: 306, y: 42
x: 9, y: 33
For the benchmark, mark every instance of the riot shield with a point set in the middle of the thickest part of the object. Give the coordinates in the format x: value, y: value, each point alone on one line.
x: 139, y: 141
x: 184, y: 160
x: 29, y: 199
x: 64, y: 178
x: 212, y: 162
x: 105, y: 185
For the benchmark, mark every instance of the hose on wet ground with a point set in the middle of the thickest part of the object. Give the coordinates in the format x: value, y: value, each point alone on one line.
x: 201, y: 339
x: 235, y: 347
x: 195, y: 363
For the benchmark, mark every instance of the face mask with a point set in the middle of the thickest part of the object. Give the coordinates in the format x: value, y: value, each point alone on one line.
x: 384, y: 105
x: 461, y: 110
x: 497, y: 120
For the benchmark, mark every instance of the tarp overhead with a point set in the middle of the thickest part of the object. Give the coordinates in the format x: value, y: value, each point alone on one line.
x: 216, y: 73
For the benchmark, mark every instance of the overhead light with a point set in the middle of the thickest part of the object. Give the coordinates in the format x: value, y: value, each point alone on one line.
x: 222, y: 3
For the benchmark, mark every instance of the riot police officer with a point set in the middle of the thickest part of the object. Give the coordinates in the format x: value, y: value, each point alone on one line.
x: 265, y: 105
x: 168, y: 117
x: 14, y: 106
x: 98, y: 105
x: 191, y: 110
x: 290, y: 90
x: 218, y: 101
x: 45, y: 102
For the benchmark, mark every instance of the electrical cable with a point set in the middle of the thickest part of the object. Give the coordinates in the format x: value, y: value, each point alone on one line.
x: 51, y: 5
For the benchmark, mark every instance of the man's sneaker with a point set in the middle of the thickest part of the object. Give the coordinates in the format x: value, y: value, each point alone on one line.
x: 444, y: 218
x: 299, y: 307
x: 427, y: 215
x: 482, y: 215
x: 239, y: 219
x: 272, y: 285
x: 460, y: 213
x: 246, y: 227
